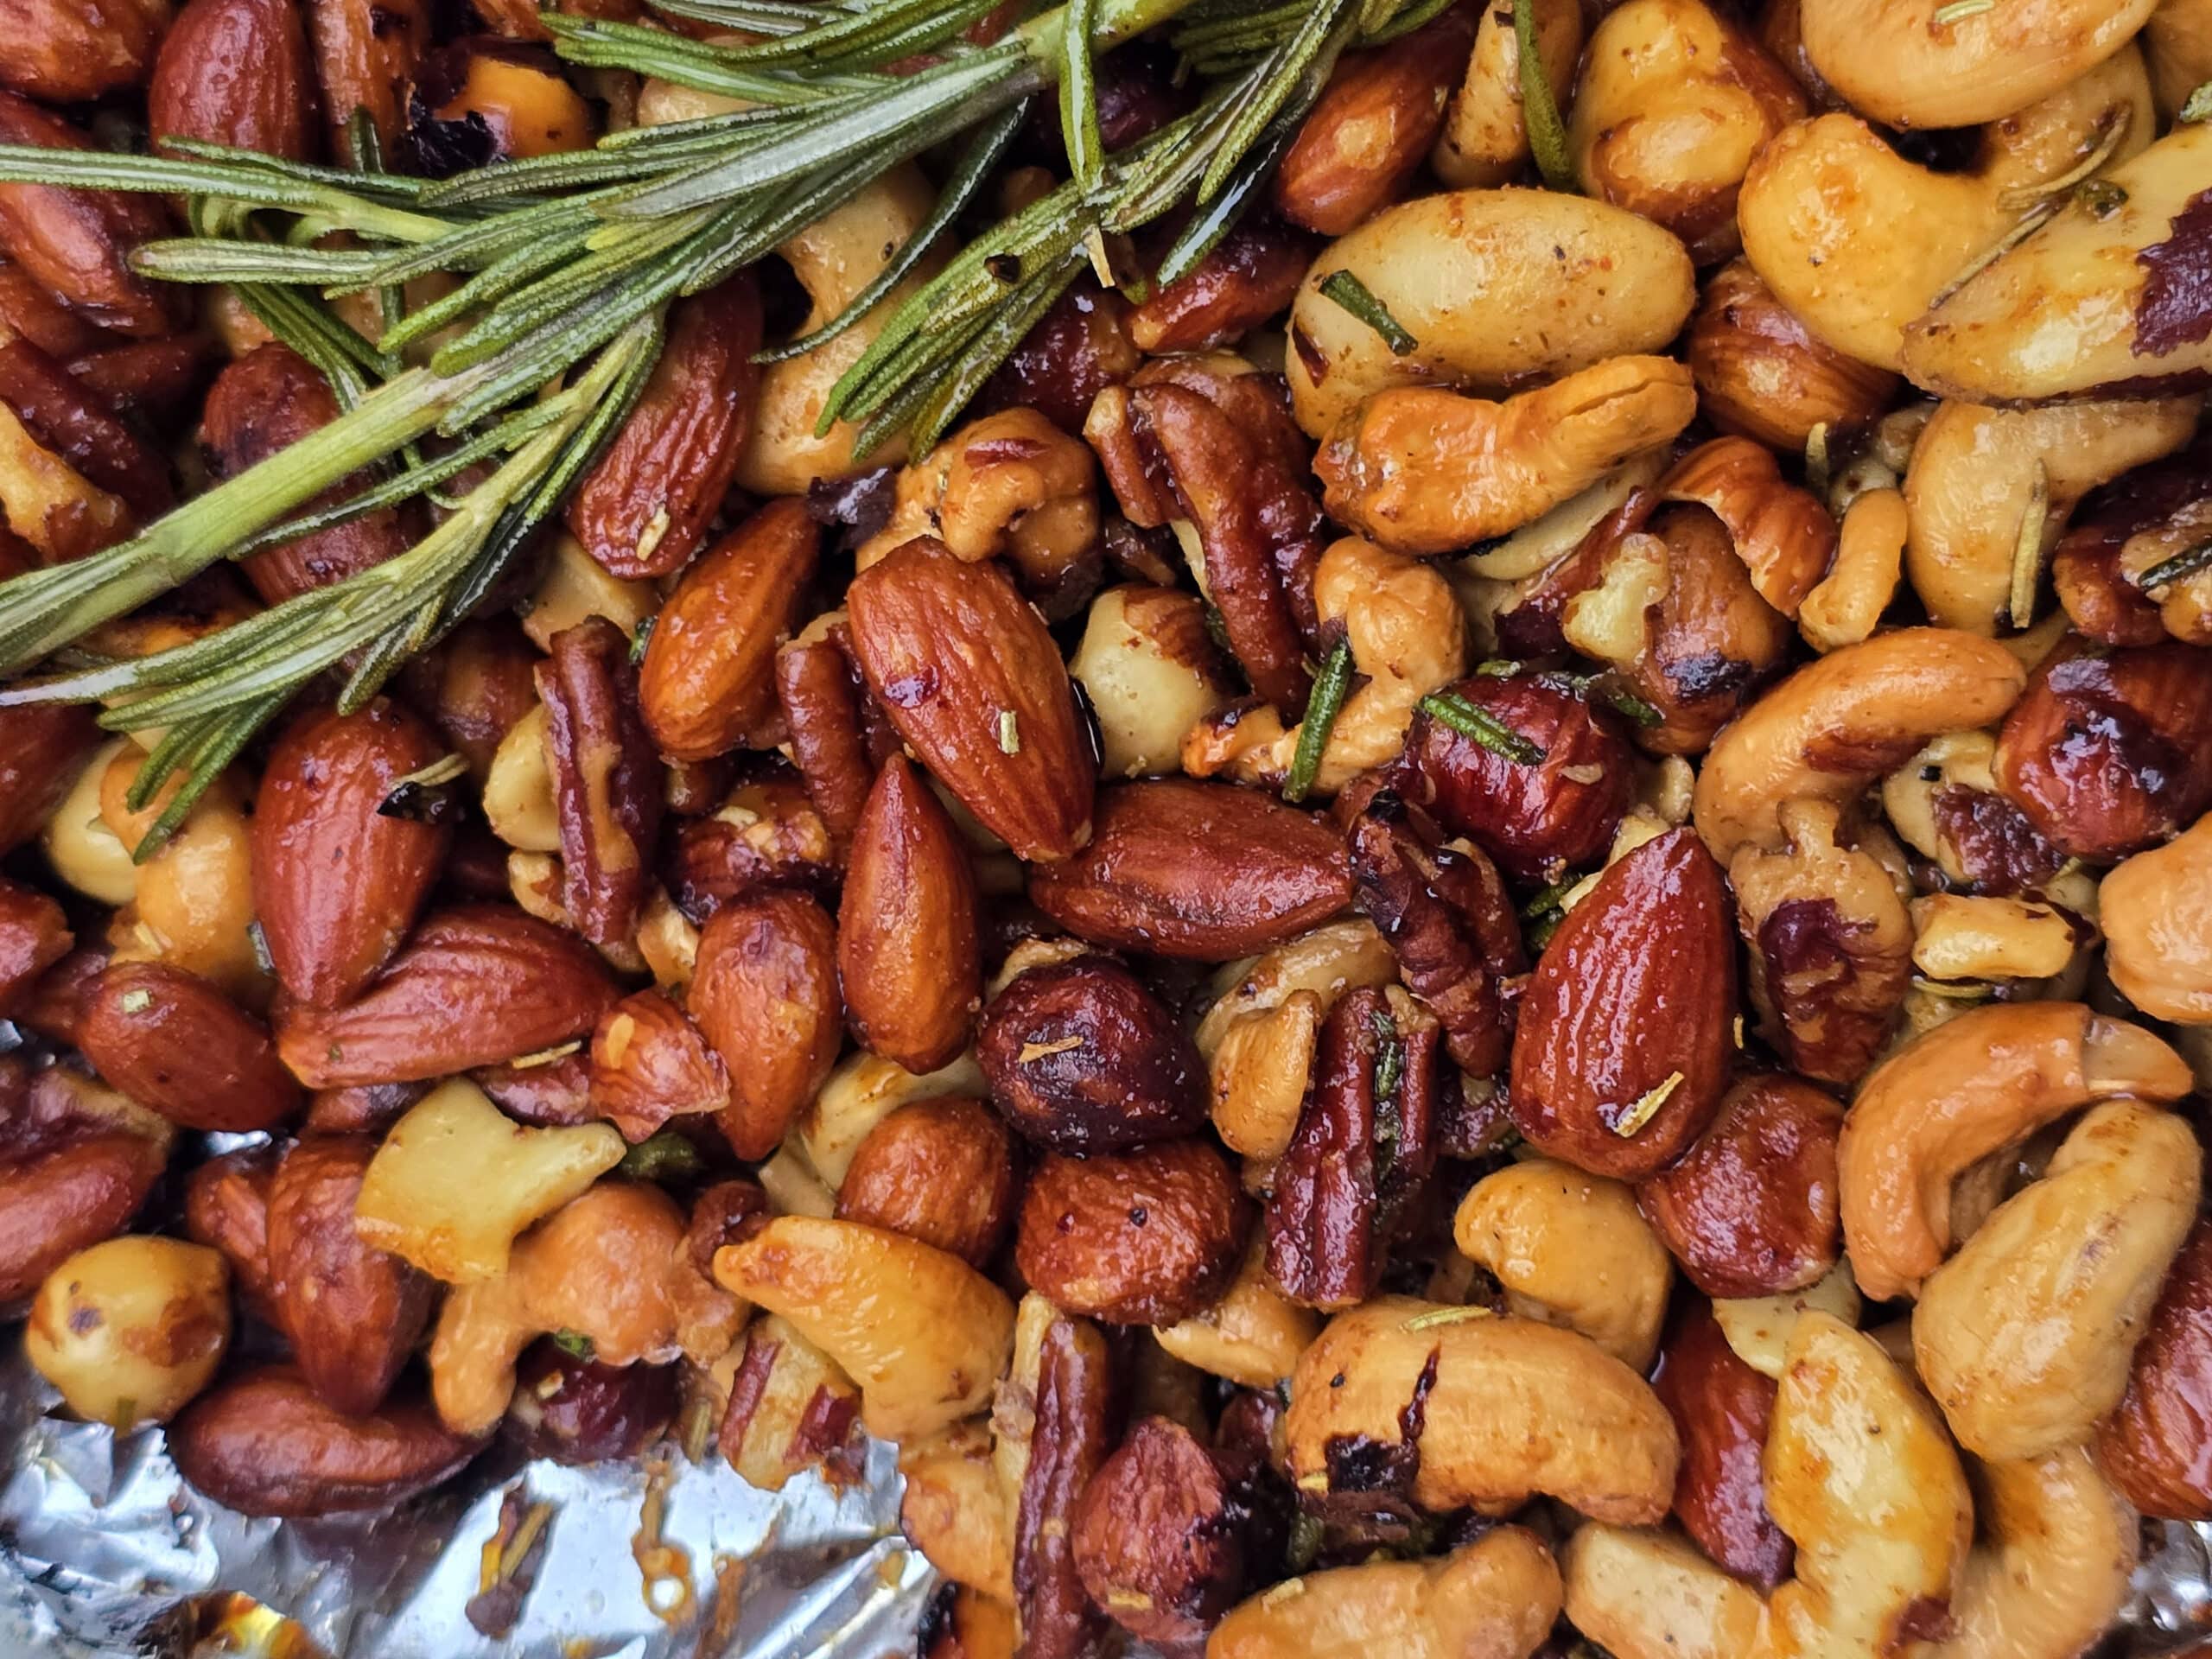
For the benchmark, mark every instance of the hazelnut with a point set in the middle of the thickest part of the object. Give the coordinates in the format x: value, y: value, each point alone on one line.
x: 1143, y: 1238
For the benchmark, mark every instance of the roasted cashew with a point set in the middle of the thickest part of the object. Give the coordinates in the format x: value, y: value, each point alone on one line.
x: 1966, y: 936
x: 1647, y: 1592
x: 955, y: 1510
x: 2049, y: 1573
x: 1570, y: 1249
x: 1498, y: 288
x: 924, y: 1334
x: 1486, y: 141
x: 1502, y: 1409
x: 1858, y: 587
x: 1152, y: 672
x: 2025, y: 1335
x: 1253, y: 1335
x: 1009, y: 484
x: 1835, y: 724
x: 1408, y: 637
x: 1758, y: 1328
x: 2155, y: 910
x: 1983, y: 1081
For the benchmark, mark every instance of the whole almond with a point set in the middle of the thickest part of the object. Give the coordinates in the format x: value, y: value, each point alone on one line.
x: 337, y: 882
x: 175, y: 1044
x: 1207, y: 872
x: 238, y: 72
x: 765, y: 994
x: 71, y: 51
x: 908, y: 954
x: 1626, y: 1031
x: 42, y: 749
x: 34, y: 936
x: 707, y: 683
x: 969, y: 676
x: 365, y: 54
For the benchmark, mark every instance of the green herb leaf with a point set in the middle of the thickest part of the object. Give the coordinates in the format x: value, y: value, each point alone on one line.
x: 1539, y: 109
x: 665, y: 1156
x: 2196, y: 107
x: 1322, y: 708
x: 2180, y: 567
x: 1354, y: 295
x: 1450, y: 710
x: 575, y: 1343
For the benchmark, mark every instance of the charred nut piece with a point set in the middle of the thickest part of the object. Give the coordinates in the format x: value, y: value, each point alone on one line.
x: 482, y: 99
x: 130, y: 1329
x: 1143, y: 1238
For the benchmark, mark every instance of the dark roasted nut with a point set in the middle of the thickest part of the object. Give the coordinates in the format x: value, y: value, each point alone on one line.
x: 1451, y: 924
x: 77, y: 243
x: 649, y: 1063
x: 78, y: 1161
x: 476, y: 985
x: 267, y: 401
x: 1082, y: 1057
x: 71, y: 51
x: 1204, y: 871
x: 365, y: 53
x: 1075, y: 1430
x: 1990, y: 842
x: 41, y: 751
x: 966, y: 670
x: 1368, y: 133
x: 481, y: 99
x: 175, y: 1044
x: 1751, y: 1210
x: 336, y: 882
x: 1159, y: 1537
x: 39, y: 317
x: 2120, y: 530
x: 1626, y: 1031
x: 767, y: 835
x: 707, y: 683
x: 765, y: 994
x: 226, y: 1209
x: 34, y: 936
x: 265, y: 1444
x: 1143, y: 1238
x: 1248, y: 277
x: 941, y: 1171
x: 908, y: 957
x: 545, y: 1092
x: 643, y: 508
x: 149, y: 378
x: 2152, y: 1448
x: 1782, y: 533
x: 607, y: 784
x: 576, y: 1410
x: 1761, y: 372
x: 1363, y: 1150
x: 365, y: 1108
x: 1721, y: 1407
x: 829, y: 712
x: 237, y: 73
x: 61, y: 413
x: 1536, y: 820
x: 1076, y: 350
x: 353, y: 1313
x: 2108, y: 753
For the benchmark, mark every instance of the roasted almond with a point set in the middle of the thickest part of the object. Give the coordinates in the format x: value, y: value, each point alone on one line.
x: 226, y: 1209
x: 80, y: 1160
x: 1721, y: 1409
x: 34, y: 936
x: 42, y: 749
x: 237, y: 73
x: 966, y: 670
x: 649, y: 1063
x: 1626, y: 1031
x: 73, y: 51
x: 908, y: 958
x: 1205, y: 871
x: 366, y: 56
x: 177, y: 1044
x: 765, y: 992
x: 476, y: 985
x: 337, y: 881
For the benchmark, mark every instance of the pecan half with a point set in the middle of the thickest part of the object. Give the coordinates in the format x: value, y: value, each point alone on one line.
x: 1073, y: 1434
x: 608, y: 782
x: 839, y: 735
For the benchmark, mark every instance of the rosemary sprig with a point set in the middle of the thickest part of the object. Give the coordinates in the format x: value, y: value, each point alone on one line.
x: 1448, y: 708
x: 1322, y: 708
x: 1539, y: 109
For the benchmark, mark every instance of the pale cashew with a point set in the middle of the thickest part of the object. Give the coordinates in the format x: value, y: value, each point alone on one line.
x: 81, y: 846
x: 1009, y: 484
x: 1985, y: 1080
x: 1978, y: 472
x: 1893, y: 59
x: 1152, y: 673
x: 860, y: 1093
x: 518, y: 787
x: 2178, y: 42
x: 2073, y: 310
x: 1758, y: 1328
x: 1494, y: 1598
x: 1498, y: 288
x: 2025, y: 1335
x: 1570, y: 1249
x: 1509, y: 1407
x: 1960, y: 936
x: 1428, y: 471
x: 954, y: 1510
x: 2049, y: 1573
x: 1643, y: 1592
x: 1485, y: 140
x: 1408, y: 637
x: 1952, y: 760
x: 1542, y: 543
x: 573, y: 585
x: 1253, y: 1335
x: 2157, y: 913
x: 922, y: 1334
x: 1858, y: 587
x: 1836, y: 724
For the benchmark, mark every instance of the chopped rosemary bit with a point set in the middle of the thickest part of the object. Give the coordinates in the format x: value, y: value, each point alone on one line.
x: 2101, y: 197
x: 2196, y: 107
x: 1389, y: 1057
x: 1306, y: 1533
x: 575, y: 1343
x: 2179, y: 568
x: 1355, y: 296
x: 1959, y: 9
x: 1437, y: 1316
x: 1009, y: 733
x: 665, y: 1156
x: 1551, y: 900
x: 1646, y: 1109
x: 1635, y: 708
x: 1498, y: 668
x: 1449, y: 709
x: 643, y: 638
x: 1539, y: 108
x: 1322, y: 708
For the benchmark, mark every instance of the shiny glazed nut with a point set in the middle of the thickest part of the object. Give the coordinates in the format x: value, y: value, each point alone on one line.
x: 765, y: 995
x: 607, y: 785
x: 2023, y: 1336
x: 650, y: 1063
x: 1248, y: 278
x: 1762, y: 372
x: 1982, y: 1081
x: 192, y: 907
x: 1651, y: 1594
x: 1143, y: 1238
x: 1151, y: 672
x: 1758, y: 1327
x: 2156, y: 911
x: 1157, y: 1539
x: 175, y: 1044
x: 1847, y: 605
x: 80, y: 1160
x: 578, y: 1411
x: 226, y: 1209
x: 1751, y: 1208
x: 131, y: 1329
x: 2050, y: 1570
x: 1959, y: 937
x: 1782, y: 533
x: 70, y: 51
x: 940, y: 1170
x: 836, y: 728
x: 478, y: 101
x: 42, y: 752
x: 863, y: 1090
x: 365, y: 54
x: 34, y: 936
x: 1722, y: 1409
x: 1072, y: 1427
x: 1082, y: 1057
x: 2152, y: 1446
x: 1570, y: 1249
x: 1500, y: 1408
x: 236, y: 71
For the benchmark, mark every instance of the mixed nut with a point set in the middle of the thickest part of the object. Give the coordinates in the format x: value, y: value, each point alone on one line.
x: 1488, y: 932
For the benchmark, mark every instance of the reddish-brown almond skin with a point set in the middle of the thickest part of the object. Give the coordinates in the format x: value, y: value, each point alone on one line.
x: 67, y: 1180
x: 1203, y: 872
x: 353, y: 1313
x: 908, y: 957
x: 41, y: 748
x: 336, y: 883
x: 2108, y: 753
x: 643, y: 508
x: 1143, y: 1238
x: 1638, y: 983
x: 476, y: 985
x: 34, y: 936
x: 1721, y: 1409
x: 941, y: 1171
x: 2157, y: 1447
x: 238, y: 72
x: 365, y: 53
x: 765, y: 991
x: 968, y: 674
x: 707, y: 683
x: 62, y: 413
x: 650, y: 1063
x: 263, y: 1443
x: 70, y: 51
x: 1250, y: 277
x: 226, y: 1209
x: 176, y: 1045
x: 1752, y: 1210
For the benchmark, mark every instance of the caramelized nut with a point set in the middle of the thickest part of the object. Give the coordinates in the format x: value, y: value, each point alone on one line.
x: 1143, y: 1238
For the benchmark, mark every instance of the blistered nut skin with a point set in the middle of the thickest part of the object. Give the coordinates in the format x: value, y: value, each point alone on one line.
x: 1761, y: 372
x: 2152, y: 1446
x: 2156, y: 912
x: 940, y: 1170
x: 1143, y: 1238
x: 765, y: 995
x: 1157, y: 1542
x: 1082, y: 1057
x: 131, y: 1329
x: 1722, y: 1409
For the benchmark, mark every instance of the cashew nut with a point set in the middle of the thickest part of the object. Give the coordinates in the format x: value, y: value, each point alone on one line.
x: 860, y: 1093
x: 1502, y: 1409
x: 1837, y: 723
x: 2050, y: 1571
x: 83, y: 850
x: 1572, y: 1249
x: 922, y: 1334
x: 1152, y: 673
x: 2025, y: 1335
x: 955, y: 1510
x: 1253, y: 1335
x: 1498, y: 288
x: 1858, y: 587
x: 1485, y: 140
x: 2156, y: 909
x: 1985, y: 1080
x: 1758, y: 1328
x: 573, y: 585
x: 1644, y: 1593
x: 1010, y: 483
x: 1961, y: 936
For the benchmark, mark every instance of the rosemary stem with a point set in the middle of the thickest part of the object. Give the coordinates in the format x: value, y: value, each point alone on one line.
x: 1112, y: 22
